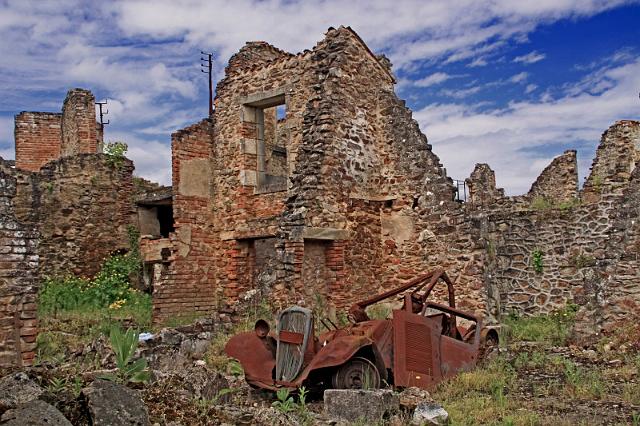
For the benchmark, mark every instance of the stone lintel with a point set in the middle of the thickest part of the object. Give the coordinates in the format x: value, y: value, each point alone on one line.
x: 313, y: 233
x: 265, y: 99
x: 366, y: 197
x: 247, y: 235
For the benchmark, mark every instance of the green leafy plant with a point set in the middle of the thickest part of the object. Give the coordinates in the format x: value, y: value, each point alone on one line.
x: 76, y: 387
x: 635, y: 419
x: 116, y: 153
x: 124, y: 345
x: 110, y: 288
x: 235, y: 369
x: 536, y: 260
x: 285, y: 403
x: 57, y: 385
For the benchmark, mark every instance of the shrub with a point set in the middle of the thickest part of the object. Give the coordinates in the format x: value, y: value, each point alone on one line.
x: 536, y: 261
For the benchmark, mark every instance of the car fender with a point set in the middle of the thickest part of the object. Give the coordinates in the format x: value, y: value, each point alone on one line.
x: 254, y: 355
x: 335, y: 352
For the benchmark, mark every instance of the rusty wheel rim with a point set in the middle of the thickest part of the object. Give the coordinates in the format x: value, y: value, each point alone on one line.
x: 357, y: 373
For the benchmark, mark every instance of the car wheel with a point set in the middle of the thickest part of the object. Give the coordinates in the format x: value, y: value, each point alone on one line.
x: 357, y: 373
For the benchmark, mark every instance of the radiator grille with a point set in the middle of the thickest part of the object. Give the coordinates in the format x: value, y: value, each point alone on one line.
x: 290, y: 356
x: 418, y: 348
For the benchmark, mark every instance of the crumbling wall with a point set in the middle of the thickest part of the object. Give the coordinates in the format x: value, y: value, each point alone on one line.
x: 79, y: 128
x: 367, y: 204
x: 38, y: 137
x: 41, y: 137
x: 188, y: 284
x: 18, y: 282
x: 558, y: 182
x: 82, y: 207
x: 574, y: 247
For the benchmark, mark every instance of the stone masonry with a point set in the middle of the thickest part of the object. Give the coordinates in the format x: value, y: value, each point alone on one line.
x: 18, y: 281
x: 63, y: 209
x: 312, y: 184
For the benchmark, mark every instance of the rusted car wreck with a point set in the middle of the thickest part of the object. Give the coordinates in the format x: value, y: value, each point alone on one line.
x: 419, y: 346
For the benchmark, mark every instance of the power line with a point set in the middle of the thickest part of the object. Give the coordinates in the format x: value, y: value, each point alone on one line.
x: 102, y: 114
x: 206, y: 65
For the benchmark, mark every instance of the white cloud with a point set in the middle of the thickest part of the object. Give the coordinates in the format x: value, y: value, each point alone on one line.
x: 519, y: 78
x: 143, y: 54
x: 530, y: 88
x: 516, y: 140
x: 460, y: 93
x: 409, y: 30
x: 432, y: 79
x: 530, y: 58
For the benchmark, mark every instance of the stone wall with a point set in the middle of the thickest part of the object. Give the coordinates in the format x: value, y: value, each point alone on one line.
x: 366, y: 203
x: 558, y: 182
x: 82, y: 206
x: 38, y: 137
x: 18, y: 281
x: 557, y: 245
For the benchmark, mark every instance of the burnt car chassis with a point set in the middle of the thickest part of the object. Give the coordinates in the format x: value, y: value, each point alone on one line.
x: 419, y: 346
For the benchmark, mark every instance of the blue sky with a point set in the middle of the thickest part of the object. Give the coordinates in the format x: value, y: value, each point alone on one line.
x: 511, y: 83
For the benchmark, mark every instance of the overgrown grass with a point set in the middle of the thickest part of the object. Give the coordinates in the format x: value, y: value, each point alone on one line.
x: 74, y: 311
x: 482, y: 397
x: 552, y: 329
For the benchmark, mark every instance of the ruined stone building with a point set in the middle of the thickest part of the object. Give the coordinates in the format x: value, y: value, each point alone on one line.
x: 64, y: 207
x: 312, y: 183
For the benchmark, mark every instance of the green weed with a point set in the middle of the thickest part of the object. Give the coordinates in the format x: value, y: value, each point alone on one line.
x: 553, y: 328
x: 124, y: 345
x: 285, y: 403
x: 536, y: 261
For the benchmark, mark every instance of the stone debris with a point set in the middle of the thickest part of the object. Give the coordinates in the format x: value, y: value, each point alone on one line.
x: 112, y: 404
x: 357, y: 404
x: 410, y: 397
x: 17, y: 389
x: 429, y: 413
x: 34, y: 413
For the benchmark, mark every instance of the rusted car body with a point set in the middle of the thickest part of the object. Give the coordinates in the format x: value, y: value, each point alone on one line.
x: 419, y: 346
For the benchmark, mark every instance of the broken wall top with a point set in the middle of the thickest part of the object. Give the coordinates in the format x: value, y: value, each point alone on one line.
x: 41, y: 137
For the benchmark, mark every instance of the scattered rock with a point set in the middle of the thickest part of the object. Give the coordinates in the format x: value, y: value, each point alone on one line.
x: 34, y: 413
x: 112, y: 404
x: 430, y: 413
x: 17, y: 389
x: 355, y: 404
x: 411, y: 397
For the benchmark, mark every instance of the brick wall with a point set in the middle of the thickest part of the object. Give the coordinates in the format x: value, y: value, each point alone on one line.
x: 41, y: 137
x: 38, y: 138
x: 18, y: 282
x: 189, y: 282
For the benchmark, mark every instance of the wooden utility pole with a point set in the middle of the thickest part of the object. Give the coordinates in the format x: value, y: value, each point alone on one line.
x: 206, y: 64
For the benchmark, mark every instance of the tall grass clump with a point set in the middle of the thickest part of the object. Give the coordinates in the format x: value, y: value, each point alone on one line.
x: 553, y: 328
